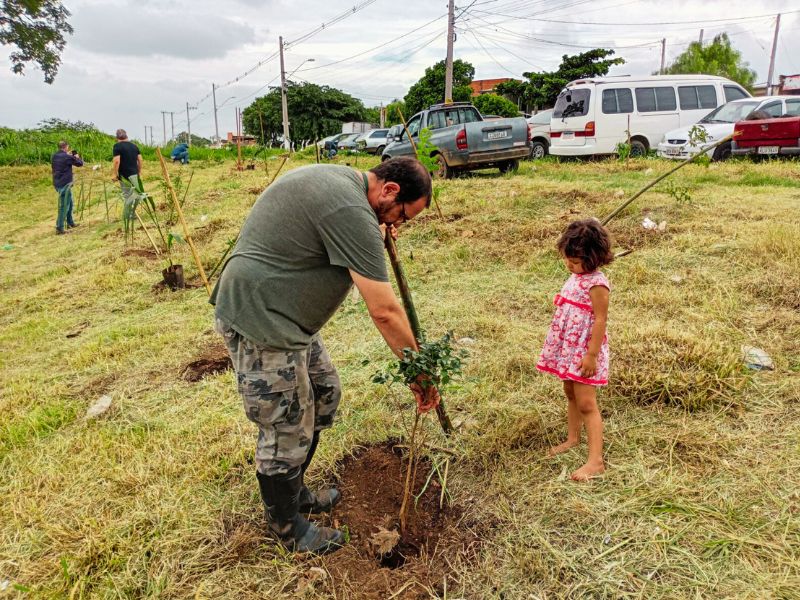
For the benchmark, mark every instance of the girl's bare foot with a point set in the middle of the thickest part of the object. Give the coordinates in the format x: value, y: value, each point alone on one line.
x: 588, y: 471
x: 561, y: 448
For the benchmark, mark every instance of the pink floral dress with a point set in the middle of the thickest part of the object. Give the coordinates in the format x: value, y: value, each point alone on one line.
x: 568, y: 338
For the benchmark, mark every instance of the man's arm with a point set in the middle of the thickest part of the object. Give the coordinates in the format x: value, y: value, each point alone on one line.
x: 115, y: 166
x: 386, y: 312
x: 138, y: 164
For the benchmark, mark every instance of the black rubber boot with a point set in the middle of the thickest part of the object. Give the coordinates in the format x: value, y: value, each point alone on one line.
x: 281, y: 495
x: 322, y: 501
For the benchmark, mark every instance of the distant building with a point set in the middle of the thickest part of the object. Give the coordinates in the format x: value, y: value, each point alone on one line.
x: 357, y: 127
x: 788, y: 85
x: 487, y: 86
x: 245, y: 140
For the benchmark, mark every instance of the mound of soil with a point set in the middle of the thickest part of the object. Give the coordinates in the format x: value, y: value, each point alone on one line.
x: 214, y: 360
x: 371, y: 483
x: 143, y: 252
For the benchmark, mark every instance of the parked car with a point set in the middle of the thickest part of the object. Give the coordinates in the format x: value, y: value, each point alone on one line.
x: 348, y: 142
x: 373, y: 141
x: 539, y: 125
x: 464, y: 141
x: 593, y: 116
x: 393, y: 134
x: 331, y: 138
x: 719, y: 123
x: 769, y: 137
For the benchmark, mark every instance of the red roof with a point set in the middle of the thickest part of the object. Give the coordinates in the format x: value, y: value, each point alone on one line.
x: 483, y: 86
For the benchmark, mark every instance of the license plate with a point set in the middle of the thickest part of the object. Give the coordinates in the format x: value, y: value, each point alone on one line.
x: 673, y: 151
x: 568, y: 135
x: 496, y: 135
x: 768, y: 149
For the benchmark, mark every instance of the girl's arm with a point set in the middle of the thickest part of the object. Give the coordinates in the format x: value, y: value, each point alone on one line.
x: 599, y: 296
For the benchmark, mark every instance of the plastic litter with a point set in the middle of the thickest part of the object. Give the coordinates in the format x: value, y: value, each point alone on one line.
x: 648, y: 223
x: 99, y: 407
x: 619, y: 194
x: 465, y: 341
x: 756, y: 359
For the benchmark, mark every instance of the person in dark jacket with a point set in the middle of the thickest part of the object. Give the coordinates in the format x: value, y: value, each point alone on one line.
x: 62, y: 163
x: 181, y: 153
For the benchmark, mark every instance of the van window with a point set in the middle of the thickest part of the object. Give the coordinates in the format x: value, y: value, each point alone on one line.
x: 378, y: 133
x: 572, y: 103
x: 617, y: 101
x: 733, y: 92
x: 653, y: 99
x: 693, y: 97
x: 793, y: 107
x: 436, y: 119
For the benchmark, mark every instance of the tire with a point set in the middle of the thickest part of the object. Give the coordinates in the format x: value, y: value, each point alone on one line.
x: 509, y: 166
x: 444, y: 172
x: 538, y: 150
x: 379, y: 151
x: 385, y: 157
x: 638, y: 149
x: 722, y: 152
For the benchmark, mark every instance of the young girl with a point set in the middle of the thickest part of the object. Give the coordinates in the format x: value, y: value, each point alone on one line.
x: 576, y: 348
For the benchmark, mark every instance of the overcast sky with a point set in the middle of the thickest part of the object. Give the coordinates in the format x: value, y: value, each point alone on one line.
x: 128, y: 60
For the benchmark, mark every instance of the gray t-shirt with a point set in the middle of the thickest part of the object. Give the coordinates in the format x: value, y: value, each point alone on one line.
x: 289, y: 270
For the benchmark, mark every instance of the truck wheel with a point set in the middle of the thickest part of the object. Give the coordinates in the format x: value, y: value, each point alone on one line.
x: 638, y: 149
x: 509, y: 166
x: 722, y: 152
x: 379, y: 151
x: 385, y: 157
x: 538, y: 150
x: 444, y: 172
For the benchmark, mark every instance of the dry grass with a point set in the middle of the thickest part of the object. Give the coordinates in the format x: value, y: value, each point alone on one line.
x: 157, y: 498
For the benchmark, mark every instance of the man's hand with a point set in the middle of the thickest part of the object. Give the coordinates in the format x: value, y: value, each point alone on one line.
x: 427, y: 397
x: 588, y: 365
x: 392, y: 230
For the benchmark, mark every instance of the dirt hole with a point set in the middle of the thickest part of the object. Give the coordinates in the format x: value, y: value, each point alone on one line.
x: 143, y: 252
x: 214, y: 360
x: 371, y: 483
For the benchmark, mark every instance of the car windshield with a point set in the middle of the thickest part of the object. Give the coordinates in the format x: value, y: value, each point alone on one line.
x: 572, y: 103
x: 732, y: 112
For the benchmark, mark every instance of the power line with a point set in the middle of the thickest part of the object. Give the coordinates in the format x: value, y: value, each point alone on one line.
x: 336, y: 19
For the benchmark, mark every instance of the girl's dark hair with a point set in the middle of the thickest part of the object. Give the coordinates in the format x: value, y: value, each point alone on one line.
x: 588, y: 241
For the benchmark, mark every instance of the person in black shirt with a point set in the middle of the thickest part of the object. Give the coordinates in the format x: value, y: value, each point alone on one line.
x: 127, y: 165
x: 62, y: 163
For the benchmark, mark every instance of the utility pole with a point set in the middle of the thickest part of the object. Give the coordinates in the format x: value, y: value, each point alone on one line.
x: 151, y: 135
x: 172, y: 124
x: 145, y: 135
x: 214, y: 96
x: 164, y: 124
x: 284, y: 105
x: 701, y: 37
x: 189, y: 126
x: 382, y: 115
x: 448, y: 72
x: 663, y: 55
x: 772, y: 55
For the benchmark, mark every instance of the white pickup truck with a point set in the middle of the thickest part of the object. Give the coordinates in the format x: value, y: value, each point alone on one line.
x: 464, y: 140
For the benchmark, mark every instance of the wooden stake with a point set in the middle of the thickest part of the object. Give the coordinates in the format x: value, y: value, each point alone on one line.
x: 625, y: 204
x: 147, y: 233
x: 411, y: 312
x: 274, y: 177
x: 183, y: 221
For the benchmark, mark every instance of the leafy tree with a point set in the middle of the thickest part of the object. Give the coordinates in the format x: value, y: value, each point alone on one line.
x: 56, y: 124
x: 372, y: 114
x: 492, y: 104
x: 37, y: 29
x: 393, y: 110
x: 200, y: 142
x: 314, y: 112
x: 430, y: 88
x: 542, y: 89
x: 717, y: 58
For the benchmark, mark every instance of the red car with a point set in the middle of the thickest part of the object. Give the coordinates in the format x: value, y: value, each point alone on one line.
x: 768, y: 137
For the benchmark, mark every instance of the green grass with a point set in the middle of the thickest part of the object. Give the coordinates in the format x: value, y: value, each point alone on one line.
x: 157, y: 499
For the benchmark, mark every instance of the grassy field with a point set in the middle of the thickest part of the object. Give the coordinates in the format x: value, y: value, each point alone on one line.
x: 157, y: 498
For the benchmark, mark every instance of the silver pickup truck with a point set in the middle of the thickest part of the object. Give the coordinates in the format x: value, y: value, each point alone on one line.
x: 464, y: 141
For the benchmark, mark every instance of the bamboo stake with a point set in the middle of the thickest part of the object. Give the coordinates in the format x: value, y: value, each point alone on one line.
x: 183, y: 221
x: 147, y: 233
x: 625, y: 204
x: 411, y: 312
x: 105, y: 198
x: 283, y: 162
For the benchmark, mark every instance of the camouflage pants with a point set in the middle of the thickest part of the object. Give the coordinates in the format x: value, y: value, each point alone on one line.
x: 289, y: 395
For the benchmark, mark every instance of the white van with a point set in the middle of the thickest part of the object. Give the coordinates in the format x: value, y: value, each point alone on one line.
x: 592, y: 116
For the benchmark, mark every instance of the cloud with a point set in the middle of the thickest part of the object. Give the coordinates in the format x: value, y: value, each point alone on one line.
x: 132, y: 30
